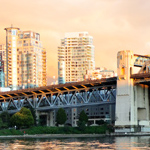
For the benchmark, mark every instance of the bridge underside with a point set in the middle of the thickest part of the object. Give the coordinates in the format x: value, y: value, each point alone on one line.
x: 97, y: 98
x: 87, y: 93
x: 141, y: 78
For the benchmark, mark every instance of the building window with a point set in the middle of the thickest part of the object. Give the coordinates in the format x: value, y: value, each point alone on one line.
x: 13, y: 32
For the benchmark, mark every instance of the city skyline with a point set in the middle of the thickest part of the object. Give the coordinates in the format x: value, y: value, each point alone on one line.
x: 115, y: 25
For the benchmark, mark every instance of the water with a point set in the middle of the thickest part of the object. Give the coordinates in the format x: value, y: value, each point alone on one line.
x: 106, y: 143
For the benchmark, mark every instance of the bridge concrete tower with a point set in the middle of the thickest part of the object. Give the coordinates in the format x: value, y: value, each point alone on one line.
x: 132, y: 101
x: 124, y: 95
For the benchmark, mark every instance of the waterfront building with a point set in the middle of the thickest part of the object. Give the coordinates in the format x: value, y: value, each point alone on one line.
x: 99, y: 73
x: 94, y: 113
x: 25, y: 59
x: 75, y: 57
x: 104, y: 112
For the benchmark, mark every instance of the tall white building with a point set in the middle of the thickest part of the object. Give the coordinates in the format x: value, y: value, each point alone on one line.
x: 25, y: 59
x: 75, y: 57
x: 2, y: 65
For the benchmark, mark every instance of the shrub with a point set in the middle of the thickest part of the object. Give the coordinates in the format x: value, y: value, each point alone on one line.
x: 81, y: 125
x: 10, y: 132
x: 100, y: 122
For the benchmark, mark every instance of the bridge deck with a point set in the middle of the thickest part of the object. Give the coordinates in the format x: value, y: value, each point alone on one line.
x: 141, y: 78
x: 107, y: 82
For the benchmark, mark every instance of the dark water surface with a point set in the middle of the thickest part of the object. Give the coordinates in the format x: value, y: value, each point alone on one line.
x: 106, y: 143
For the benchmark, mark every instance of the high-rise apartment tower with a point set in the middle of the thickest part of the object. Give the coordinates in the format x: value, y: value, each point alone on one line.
x: 75, y: 57
x: 25, y: 59
x: 2, y: 64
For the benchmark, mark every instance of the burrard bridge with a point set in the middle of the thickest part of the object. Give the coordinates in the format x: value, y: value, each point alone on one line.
x: 128, y: 92
x: 91, y: 92
x: 46, y: 100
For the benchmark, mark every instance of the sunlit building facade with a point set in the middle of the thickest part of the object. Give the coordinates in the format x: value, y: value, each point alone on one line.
x: 75, y: 57
x: 2, y: 64
x: 25, y: 59
x: 99, y: 73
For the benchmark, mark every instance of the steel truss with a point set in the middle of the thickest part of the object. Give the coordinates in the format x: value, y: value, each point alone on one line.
x: 96, y: 95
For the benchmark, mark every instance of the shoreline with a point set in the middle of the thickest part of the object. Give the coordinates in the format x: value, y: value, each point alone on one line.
x: 75, y: 135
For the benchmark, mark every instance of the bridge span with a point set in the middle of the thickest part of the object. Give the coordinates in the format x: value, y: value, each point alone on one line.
x: 70, y: 95
x: 124, y: 99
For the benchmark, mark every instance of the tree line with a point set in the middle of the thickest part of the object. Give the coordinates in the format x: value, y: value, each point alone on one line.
x: 26, y: 118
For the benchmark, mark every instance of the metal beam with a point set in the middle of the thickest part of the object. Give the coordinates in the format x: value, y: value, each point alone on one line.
x: 84, y: 93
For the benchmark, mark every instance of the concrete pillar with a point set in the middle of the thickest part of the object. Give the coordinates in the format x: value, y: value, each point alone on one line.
x: 85, y: 96
x: 48, y: 119
x: 132, y: 101
x: 73, y: 117
x: 35, y: 101
x: 125, y: 96
x: 37, y: 116
x: 51, y: 119
x: 142, y: 99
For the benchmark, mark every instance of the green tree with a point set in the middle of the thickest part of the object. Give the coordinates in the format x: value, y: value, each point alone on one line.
x: 23, y: 118
x: 5, y: 118
x: 34, y: 115
x: 1, y: 123
x: 33, y: 112
x: 17, y: 120
x: 83, y: 117
x: 61, y: 116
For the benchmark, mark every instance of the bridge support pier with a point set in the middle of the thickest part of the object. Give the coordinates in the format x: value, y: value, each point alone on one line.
x: 142, y: 106
x: 125, y: 97
x: 51, y: 118
x: 37, y: 117
x: 132, y: 101
x: 74, y: 115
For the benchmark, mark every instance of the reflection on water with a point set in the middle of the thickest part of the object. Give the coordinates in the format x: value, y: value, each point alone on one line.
x: 107, y: 143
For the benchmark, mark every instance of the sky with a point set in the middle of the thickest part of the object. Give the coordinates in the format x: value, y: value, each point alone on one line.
x: 114, y: 24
